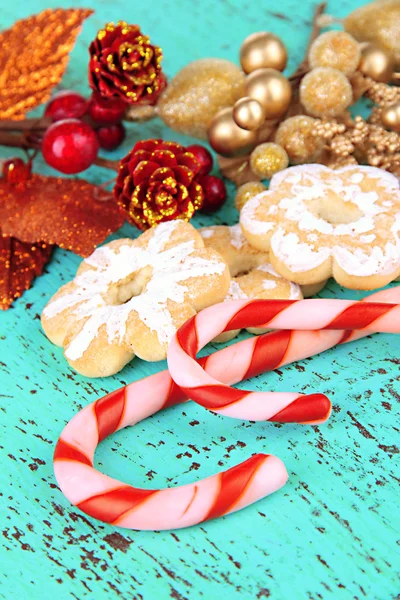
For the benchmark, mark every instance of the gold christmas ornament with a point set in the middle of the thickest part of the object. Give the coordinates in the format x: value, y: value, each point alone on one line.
x: 336, y: 49
x: 390, y: 117
x: 200, y: 90
x: 325, y: 92
x: 267, y: 159
x: 248, y: 113
x: 377, y: 63
x: 378, y: 23
x: 295, y: 135
x: 227, y: 138
x: 271, y: 89
x: 263, y: 50
x: 247, y: 191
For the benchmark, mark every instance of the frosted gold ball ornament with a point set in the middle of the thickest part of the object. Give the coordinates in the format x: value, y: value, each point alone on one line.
x: 295, y: 135
x: 195, y: 95
x: 325, y: 92
x: 377, y: 63
x: 247, y: 191
x: 267, y: 159
x: 390, y: 117
x: 227, y: 138
x: 262, y: 50
x: 377, y: 23
x: 336, y: 49
x: 248, y: 114
x: 271, y: 89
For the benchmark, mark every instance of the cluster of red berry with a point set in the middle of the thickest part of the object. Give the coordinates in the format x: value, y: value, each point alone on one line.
x: 213, y: 187
x: 80, y: 127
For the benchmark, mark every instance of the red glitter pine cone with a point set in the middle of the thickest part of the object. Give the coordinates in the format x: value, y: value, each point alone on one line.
x: 123, y: 63
x: 157, y: 182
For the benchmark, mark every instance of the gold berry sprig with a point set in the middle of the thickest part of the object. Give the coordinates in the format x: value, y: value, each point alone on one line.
x: 305, y: 117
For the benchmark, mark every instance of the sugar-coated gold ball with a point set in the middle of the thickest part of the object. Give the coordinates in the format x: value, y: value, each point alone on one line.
x: 390, y: 117
x: 248, y: 113
x: 247, y: 191
x: 262, y: 50
x: 377, y: 23
x: 227, y: 138
x: 325, y: 92
x: 198, y: 92
x: 267, y: 159
x: 336, y: 49
x: 295, y: 135
x: 377, y: 63
x: 271, y: 89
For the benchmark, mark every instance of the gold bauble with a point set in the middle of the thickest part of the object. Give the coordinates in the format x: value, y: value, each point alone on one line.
x: 262, y: 50
x: 336, y: 49
x: 325, y: 92
x: 248, y: 113
x: 271, y: 89
x: 295, y: 135
x: 247, y: 191
x: 267, y: 159
x: 377, y: 63
x: 227, y: 138
x: 195, y: 95
x: 378, y: 23
x: 390, y: 117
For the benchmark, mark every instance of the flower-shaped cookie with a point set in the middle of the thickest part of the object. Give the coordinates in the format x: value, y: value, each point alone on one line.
x: 316, y: 222
x: 130, y: 296
x: 252, y: 274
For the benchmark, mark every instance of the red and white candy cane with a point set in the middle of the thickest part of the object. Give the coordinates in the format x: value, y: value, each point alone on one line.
x: 114, y: 502
x: 207, y: 390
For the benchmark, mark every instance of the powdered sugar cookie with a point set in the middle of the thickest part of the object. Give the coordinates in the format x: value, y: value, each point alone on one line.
x: 130, y: 296
x: 253, y: 275
x: 316, y: 222
x: 241, y: 257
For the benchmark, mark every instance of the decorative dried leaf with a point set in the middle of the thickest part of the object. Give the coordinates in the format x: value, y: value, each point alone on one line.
x: 54, y: 210
x: 34, y: 53
x: 19, y: 264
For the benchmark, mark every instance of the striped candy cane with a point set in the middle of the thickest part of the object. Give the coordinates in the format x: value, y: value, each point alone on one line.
x: 114, y: 502
x: 208, y: 391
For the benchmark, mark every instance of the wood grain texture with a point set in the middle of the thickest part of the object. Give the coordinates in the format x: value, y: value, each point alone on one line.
x: 332, y: 532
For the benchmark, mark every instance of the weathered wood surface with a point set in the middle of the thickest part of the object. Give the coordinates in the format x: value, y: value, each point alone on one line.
x: 332, y: 532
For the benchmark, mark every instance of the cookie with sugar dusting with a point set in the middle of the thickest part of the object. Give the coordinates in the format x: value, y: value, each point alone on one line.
x: 242, y: 258
x: 130, y: 296
x: 316, y: 222
x: 252, y: 274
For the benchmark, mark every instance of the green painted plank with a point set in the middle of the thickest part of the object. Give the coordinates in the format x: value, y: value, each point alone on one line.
x: 332, y: 532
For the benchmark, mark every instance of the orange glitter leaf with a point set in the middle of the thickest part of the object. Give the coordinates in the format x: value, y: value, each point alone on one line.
x: 19, y: 264
x: 34, y: 53
x: 54, y: 210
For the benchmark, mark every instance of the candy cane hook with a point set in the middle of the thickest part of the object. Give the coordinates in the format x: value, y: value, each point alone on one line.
x: 211, y: 393
x: 114, y: 502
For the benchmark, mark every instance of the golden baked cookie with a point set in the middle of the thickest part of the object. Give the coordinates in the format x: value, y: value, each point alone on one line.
x: 316, y: 222
x: 252, y: 274
x: 241, y: 257
x: 130, y: 296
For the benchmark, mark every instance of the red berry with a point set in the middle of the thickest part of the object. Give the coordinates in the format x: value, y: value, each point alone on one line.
x: 66, y: 105
x: 214, y: 193
x: 203, y: 156
x: 111, y: 136
x: 106, y: 111
x: 70, y: 146
x: 16, y: 171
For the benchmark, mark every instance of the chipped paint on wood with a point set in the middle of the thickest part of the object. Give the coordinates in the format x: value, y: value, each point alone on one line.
x: 334, y: 527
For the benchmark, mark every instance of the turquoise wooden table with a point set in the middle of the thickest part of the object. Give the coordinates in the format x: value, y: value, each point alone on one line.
x: 331, y: 532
